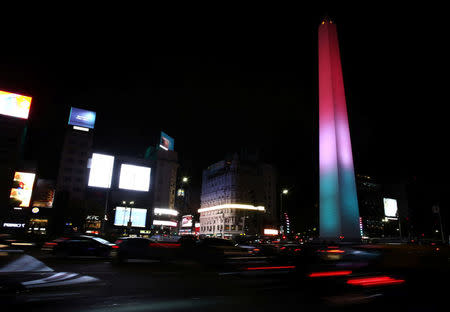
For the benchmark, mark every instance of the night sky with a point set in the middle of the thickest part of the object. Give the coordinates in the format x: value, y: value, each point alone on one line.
x: 236, y: 78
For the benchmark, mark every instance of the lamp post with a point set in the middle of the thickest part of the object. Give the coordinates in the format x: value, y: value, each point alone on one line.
x: 285, y: 191
x: 105, y: 217
x: 130, y: 223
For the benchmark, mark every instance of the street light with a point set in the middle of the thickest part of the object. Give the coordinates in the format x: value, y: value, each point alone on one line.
x: 185, y: 179
x: 285, y: 191
x: 130, y: 223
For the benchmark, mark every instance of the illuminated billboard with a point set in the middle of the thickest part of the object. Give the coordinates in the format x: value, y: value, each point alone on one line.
x: 14, y: 105
x: 138, y: 216
x: 82, y: 118
x: 166, y: 142
x: 164, y: 222
x: 186, y: 221
x: 165, y: 211
x: 270, y: 232
x: 44, y: 193
x: 101, y: 170
x: 22, y: 188
x: 136, y: 178
x: 390, y: 207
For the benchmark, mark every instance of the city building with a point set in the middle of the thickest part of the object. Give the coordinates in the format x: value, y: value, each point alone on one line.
x: 374, y: 200
x: 165, y: 216
x: 14, y: 110
x: 73, y: 166
x: 237, y: 198
x: 77, y: 149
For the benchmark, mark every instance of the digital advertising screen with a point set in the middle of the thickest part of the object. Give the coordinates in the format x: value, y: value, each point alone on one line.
x: 22, y: 188
x: 270, y: 232
x: 136, y: 178
x: 138, y: 216
x: 101, y: 170
x: 186, y: 221
x: 14, y: 105
x: 82, y: 118
x: 166, y: 142
x: 390, y: 207
x: 44, y: 193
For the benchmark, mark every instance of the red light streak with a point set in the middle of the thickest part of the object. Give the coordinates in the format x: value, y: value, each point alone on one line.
x: 375, y: 281
x: 166, y: 245
x: 115, y: 247
x: 272, y: 268
x: 330, y: 273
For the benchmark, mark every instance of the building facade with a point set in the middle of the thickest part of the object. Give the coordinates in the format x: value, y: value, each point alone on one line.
x: 371, y: 200
x: 12, y: 133
x: 236, y: 198
x: 73, y: 166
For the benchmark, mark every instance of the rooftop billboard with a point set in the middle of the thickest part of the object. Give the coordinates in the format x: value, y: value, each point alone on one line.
x: 166, y: 142
x: 22, y: 188
x: 82, y: 118
x: 14, y: 105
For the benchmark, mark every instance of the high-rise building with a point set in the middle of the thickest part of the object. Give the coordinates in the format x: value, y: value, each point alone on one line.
x: 73, y: 166
x: 14, y: 110
x: 238, y: 197
x: 376, y: 221
x: 339, y: 215
x: 77, y: 149
x: 164, y: 215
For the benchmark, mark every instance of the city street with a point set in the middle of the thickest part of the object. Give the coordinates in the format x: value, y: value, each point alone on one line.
x: 187, y: 286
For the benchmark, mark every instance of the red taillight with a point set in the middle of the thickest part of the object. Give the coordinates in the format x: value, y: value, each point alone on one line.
x: 297, y: 250
x: 330, y: 273
x: 374, y: 281
x: 255, y: 249
x: 50, y: 244
x: 115, y: 247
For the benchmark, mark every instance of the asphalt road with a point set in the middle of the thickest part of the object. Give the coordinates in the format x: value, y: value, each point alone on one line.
x: 187, y: 286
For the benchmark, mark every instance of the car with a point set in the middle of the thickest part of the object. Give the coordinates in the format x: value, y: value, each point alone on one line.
x: 80, y: 246
x: 127, y: 248
x: 211, y: 251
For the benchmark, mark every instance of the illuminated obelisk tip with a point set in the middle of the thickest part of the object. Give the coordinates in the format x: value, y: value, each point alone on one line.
x: 339, y: 213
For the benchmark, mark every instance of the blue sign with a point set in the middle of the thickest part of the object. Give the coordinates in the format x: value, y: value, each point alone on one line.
x: 166, y: 142
x: 82, y: 118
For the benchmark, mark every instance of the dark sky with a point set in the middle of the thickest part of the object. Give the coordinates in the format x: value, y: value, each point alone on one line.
x: 225, y: 78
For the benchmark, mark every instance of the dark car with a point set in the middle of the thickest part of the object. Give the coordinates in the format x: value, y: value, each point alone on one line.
x: 216, y: 251
x: 82, y: 246
x: 143, y: 248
